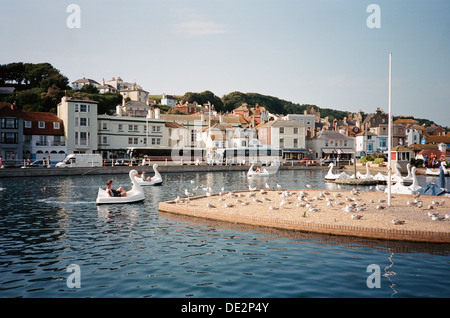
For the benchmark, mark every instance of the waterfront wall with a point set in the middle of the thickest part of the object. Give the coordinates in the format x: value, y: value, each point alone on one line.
x: 39, y: 172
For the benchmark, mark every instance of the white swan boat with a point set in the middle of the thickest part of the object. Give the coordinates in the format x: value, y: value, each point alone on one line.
x: 136, y: 193
x: 400, y: 188
x: 333, y: 176
x: 253, y: 173
x: 436, y: 172
x: 155, y: 180
x: 367, y: 176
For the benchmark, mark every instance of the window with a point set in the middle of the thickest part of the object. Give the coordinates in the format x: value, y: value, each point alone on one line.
x: 281, y: 142
x: 41, y: 124
x: 83, y: 121
x: 77, y: 108
x: 295, y: 131
x: 326, y: 143
x: 27, y: 124
x: 156, y: 141
x: 105, y: 126
x: 10, y: 138
x: 132, y: 127
x: 10, y: 123
x: 105, y: 140
x: 85, y: 108
x: 55, y: 125
x: 84, y: 138
x: 295, y: 142
x: 42, y: 141
x: 156, y: 128
x: 119, y: 127
x: 281, y: 130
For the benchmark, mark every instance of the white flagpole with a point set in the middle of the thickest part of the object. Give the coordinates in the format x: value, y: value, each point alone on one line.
x: 390, y: 129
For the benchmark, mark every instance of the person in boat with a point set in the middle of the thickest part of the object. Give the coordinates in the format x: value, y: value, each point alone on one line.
x: 144, y: 177
x: 120, y: 192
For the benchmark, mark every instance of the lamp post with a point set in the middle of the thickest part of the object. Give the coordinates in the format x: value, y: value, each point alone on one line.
x: 390, y: 129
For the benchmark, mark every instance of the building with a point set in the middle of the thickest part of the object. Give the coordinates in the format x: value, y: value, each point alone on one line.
x: 368, y: 143
x: 412, y: 135
x: 168, y: 100
x: 309, y: 120
x: 43, y: 137
x: 117, y: 133
x: 331, y: 144
x: 286, y: 135
x: 135, y: 93
x: 11, y: 134
x: 78, y: 84
x: 79, y: 117
x: 133, y: 108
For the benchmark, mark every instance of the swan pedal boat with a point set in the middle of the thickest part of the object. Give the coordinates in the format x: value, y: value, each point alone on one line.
x: 253, y: 173
x: 136, y: 194
x: 155, y: 180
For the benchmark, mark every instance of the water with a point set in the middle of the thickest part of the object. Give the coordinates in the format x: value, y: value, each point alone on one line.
x: 133, y: 250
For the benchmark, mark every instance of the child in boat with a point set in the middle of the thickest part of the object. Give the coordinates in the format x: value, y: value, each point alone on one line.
x: 115, y: 193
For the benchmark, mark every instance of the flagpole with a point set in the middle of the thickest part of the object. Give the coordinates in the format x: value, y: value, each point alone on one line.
x: 390, y: 129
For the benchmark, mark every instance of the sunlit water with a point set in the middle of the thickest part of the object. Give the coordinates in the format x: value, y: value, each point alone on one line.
x: 134, y: 250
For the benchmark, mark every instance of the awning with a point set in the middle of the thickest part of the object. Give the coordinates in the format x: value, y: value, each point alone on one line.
x: 295, y: 150
x: 338, y: 151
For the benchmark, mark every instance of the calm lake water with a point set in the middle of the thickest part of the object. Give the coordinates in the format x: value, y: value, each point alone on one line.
x: 133, y: 250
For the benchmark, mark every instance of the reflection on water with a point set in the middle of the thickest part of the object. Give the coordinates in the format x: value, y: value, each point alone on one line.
x: 134, y: 250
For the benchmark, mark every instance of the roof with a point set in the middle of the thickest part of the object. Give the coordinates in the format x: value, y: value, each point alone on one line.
x: 86, y: 81
x: 172, y: 124
x: 7, y: 90
x: 178, y: 117
x: 436, y: 139
x: 326, y: 134
x: 281, y: 123
x: 6, y: 110
x: 48, y: 118
x: 81, y: 99
x: 400, y: 148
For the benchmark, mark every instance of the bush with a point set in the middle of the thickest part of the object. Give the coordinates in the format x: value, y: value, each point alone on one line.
x: 378, y: 161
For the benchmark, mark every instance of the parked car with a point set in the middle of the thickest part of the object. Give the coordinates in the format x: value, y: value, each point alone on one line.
x: 309, y: 161
x: 38, y: 164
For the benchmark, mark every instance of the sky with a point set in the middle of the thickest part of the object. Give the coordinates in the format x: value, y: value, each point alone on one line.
x: 331, y: 53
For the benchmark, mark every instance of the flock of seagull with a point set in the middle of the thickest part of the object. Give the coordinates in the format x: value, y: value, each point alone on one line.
x: 352, y: 204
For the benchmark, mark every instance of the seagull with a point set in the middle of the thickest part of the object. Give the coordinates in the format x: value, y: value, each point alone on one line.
x: 437, y: 218
x: 245, y: 203
x: 228, y: 205
x: 257, y: 200
x: 309, y: 186
x: 265, y: 199
x: 177, y: 199
x: 283, y: 202
x: 192, y: 181
x: 209, y: 205
x: 278, y: 186
x: 348, y: 208
x: 267, y: 186
x: 329, y: 203
x: 221, y: 199
x: 379, y: 207
x: 251, y: 188
x: 313, y: 209
x: 273, y: 208
x: 356, y: 216
x: 188, y: 194
x: 262, y: 191
x: 251, y: 194
x: 397, y: 222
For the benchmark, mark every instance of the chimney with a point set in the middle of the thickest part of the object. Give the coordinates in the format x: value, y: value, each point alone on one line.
x: 157, y: 113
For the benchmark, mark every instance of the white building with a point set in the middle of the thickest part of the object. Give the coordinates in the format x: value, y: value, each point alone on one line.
x: 78, y: 84
x: 43, y: 137
x: 286, y: 135
x: 412, y: 136
x: 79, y: 115
x: 117, y: 133
x: 168, y: 100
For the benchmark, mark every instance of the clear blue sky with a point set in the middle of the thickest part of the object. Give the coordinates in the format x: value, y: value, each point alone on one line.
x: 318, y: 52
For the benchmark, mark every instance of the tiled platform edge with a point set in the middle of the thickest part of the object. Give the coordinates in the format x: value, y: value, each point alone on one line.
x: 305, y: 226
